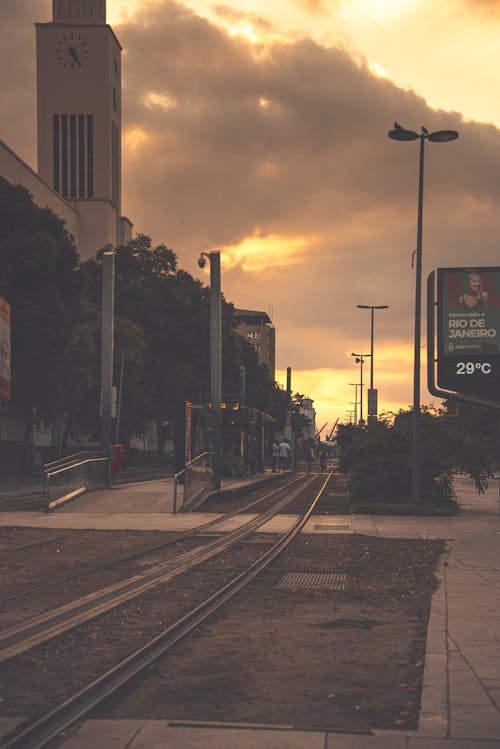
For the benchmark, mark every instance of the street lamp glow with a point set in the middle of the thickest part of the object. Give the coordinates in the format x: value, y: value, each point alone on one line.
x: 439, y: 136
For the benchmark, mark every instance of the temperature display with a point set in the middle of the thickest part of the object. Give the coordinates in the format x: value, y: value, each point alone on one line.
x: 475, y: 375
x: 470, y: 367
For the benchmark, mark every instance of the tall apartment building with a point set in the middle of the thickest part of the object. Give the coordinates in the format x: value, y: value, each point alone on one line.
x: 257, y: 327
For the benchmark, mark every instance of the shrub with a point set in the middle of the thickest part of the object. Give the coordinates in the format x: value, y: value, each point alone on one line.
x: 377, y: 461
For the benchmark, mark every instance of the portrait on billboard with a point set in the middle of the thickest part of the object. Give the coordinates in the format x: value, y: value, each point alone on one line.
x: 474, y: 296
x: 469, y: 307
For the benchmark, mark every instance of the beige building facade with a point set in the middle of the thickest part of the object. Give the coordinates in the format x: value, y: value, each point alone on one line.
x: 78, y: 126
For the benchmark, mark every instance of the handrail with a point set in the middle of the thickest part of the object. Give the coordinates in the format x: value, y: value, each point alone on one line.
x: 96, y: 459
x: 62, y: 466
x: 195, y: 460
x: 182, y: 471
x: 71, y: 458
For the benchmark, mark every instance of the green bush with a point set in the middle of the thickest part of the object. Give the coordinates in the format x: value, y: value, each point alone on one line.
x: 377, y: 461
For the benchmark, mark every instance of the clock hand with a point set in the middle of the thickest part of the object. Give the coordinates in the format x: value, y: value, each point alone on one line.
x: 72, y: 52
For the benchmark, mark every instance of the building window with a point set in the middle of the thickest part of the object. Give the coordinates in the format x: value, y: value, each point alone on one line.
x: 256, y: 334
x: 81, y: 156
x: 257, y: 347
x: 56, y: 149
x: 115, y: 164
x: 73, y: 155
x: 90, y: 156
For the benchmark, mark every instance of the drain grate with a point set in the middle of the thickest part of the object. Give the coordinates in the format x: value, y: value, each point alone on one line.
x: 331, y: 527
x: 313, y: 581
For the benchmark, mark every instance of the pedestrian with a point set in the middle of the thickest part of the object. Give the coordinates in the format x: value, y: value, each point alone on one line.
x: 322, y: 460
x: 309, y: 457
x: 284, y: 453
x: 276, y: 456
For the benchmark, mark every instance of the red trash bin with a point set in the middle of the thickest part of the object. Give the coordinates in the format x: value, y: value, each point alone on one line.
x: 117, y: 457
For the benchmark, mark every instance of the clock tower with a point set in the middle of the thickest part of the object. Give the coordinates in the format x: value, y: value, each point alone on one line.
x: 79, y: 117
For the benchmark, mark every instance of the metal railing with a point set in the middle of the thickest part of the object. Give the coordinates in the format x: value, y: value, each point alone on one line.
x: 73, y: 475
x: 197, y: 480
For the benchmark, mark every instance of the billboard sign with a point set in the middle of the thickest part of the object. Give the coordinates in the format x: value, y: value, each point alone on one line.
x: 4, y: 348
x: 372, y: 401
x: 468, y: 320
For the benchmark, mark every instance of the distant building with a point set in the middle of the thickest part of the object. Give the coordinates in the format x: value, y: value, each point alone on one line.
x: 78, y: 125
x: 258, y: 329
x: 307, y: 409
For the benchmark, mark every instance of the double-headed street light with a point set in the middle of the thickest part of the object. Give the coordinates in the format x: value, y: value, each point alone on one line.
x: 360, y: 359
x: 440, y: 136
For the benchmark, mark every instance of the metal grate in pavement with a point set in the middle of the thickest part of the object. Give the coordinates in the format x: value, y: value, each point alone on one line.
x: 313, y: 581
x: 332, y: 527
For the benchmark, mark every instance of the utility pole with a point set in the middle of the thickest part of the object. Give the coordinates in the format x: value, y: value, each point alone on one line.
x: 215, y: 356
x: 108, y: 304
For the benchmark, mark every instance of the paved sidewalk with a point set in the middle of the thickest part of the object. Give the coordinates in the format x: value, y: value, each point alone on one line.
x: 461, y: 694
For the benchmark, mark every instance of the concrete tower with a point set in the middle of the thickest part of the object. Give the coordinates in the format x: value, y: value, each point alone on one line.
x: 79, y: 117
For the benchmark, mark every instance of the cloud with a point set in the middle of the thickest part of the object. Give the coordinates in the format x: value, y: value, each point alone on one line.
x: 313, y: 206
x: 276, y: 153
x: 17, y: 72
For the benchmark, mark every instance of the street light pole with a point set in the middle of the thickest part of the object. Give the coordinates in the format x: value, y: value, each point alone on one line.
x: 107, y: 347
x: 355, y: 401
x: 360, y: 359
x: 372, y: 308
x: 440, y: 136
x: 215, y: 356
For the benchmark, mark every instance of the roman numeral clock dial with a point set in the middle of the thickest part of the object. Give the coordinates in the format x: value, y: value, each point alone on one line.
x: 72, y: 51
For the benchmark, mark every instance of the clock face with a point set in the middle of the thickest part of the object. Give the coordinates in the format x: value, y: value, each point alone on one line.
x: 72, y: 50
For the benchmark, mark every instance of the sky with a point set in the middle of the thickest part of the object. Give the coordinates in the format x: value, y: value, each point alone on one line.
x: 259, y: 129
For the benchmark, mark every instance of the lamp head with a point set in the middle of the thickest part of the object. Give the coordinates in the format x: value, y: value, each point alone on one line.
x: 202, y: 261
x: 443, y: 136
x: 400, y: 133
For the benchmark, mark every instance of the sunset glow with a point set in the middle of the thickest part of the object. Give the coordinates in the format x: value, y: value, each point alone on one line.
x: 260, y: 129
x: 258, y: 254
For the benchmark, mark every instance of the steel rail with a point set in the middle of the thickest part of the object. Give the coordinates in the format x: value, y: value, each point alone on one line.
x: 38, y: 733
x: 147, y: 549
x: 22, y: 637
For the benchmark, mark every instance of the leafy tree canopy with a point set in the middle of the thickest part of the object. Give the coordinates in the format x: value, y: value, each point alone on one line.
x: 41, y: 283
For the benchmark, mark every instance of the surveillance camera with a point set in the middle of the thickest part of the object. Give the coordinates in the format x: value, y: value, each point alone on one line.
x: 201, y: 261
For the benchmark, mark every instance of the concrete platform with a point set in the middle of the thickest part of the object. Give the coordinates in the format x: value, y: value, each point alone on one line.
x: 461, y: 694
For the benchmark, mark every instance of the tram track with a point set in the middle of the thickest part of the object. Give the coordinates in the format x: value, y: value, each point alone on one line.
x: 40, y: 732
x: 25, y: 635
x: 138, y: 553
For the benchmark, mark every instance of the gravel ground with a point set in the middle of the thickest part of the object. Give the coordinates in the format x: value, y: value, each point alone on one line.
x: 346, y: 659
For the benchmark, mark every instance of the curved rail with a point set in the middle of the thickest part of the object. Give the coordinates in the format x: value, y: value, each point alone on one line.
x: 27, y: 634
x: 40, y: 732
x: 146, y: 549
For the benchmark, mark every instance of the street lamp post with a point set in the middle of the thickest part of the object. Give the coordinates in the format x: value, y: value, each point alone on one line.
x: 215, y: 356
x: 372, y: 308
x: 440, y: 136
x: 355, y: 401
x: 360, y: 359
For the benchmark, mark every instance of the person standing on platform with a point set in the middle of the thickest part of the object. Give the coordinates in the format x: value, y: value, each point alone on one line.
x: 276, y: 456
x: 284, y: 454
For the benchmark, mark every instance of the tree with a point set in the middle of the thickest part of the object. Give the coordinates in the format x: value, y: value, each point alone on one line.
x: 473, y: 433
x: 41, y: 283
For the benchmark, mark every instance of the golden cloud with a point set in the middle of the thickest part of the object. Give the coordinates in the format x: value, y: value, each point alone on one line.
x: 260, y: 253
